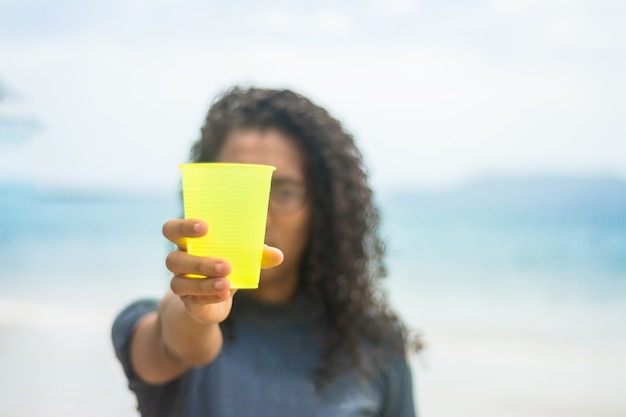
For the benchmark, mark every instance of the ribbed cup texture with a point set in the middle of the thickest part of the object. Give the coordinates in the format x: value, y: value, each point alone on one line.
x: 233, y: 200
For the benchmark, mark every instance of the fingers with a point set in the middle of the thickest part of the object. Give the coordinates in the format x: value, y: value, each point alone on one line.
x: 201, y: 291
x: 198, y: 291
x: 271, y: 257
x: 181, y: 263
x: 178, y: 230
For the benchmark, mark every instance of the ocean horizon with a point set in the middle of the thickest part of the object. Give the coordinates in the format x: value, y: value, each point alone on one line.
x: 517, y: 285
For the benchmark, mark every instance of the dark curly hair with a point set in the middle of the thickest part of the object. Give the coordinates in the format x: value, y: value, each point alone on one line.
x: 343, y: 260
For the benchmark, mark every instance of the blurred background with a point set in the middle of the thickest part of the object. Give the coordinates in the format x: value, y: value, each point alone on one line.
x: 495, y: 136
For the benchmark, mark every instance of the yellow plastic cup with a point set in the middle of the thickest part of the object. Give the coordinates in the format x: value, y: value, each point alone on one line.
x: 233, y: 200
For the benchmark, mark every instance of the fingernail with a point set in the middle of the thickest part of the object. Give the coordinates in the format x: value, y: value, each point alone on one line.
x: 219, y: 268
x: 218, y: 284
x: 196, y: 227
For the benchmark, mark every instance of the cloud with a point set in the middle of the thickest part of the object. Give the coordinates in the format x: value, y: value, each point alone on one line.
x: 450, y: 94
x: 324, y: 22
x: 392, y: 7
x: 14, y: 132
x: 17, y: 124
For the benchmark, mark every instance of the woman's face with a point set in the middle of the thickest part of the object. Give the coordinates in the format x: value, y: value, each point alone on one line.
x: 289, y: 211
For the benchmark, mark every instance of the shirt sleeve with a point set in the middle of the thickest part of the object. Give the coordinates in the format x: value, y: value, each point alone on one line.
x: 397, y: 388
x: 162, y: 400
x: 122, y: 330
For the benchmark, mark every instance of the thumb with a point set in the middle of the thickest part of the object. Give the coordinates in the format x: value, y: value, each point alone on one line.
x: 271, y: 257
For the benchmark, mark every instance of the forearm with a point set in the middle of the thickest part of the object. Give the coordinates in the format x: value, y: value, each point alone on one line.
x: 168, y: 342
x: 185, y: 338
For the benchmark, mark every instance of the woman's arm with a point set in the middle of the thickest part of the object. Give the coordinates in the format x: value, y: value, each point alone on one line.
x: 184, y: 331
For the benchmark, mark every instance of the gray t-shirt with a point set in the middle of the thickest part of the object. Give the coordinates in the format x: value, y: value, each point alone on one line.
x: 267, y: 370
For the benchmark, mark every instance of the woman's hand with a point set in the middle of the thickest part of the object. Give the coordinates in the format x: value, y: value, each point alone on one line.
x: 208, y: 300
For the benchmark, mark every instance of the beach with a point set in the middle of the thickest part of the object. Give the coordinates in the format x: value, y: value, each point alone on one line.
x: 521, y: 316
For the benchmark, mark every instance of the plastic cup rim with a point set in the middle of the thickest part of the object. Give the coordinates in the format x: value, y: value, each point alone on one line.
x: 225, y: 164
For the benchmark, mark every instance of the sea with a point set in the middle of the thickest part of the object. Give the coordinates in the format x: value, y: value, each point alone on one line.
x: 517, y: 287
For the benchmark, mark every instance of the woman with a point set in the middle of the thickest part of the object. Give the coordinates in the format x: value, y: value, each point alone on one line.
x: 317, y: 337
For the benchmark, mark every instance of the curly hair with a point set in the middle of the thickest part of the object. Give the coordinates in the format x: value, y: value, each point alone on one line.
x: 343, y: 261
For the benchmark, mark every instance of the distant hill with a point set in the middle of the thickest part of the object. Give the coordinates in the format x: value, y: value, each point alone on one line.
x: 16, y: 192
x: 549, y: 190
x: 537, y: 194
x: 597, y: 197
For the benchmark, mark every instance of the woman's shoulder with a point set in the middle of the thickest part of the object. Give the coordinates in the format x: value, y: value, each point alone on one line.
x: 133, y: 312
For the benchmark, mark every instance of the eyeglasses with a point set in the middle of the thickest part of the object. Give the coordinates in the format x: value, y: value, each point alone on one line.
x: 286, y: 196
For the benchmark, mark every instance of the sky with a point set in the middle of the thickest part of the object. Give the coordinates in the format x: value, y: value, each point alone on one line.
x: 112, y: 94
